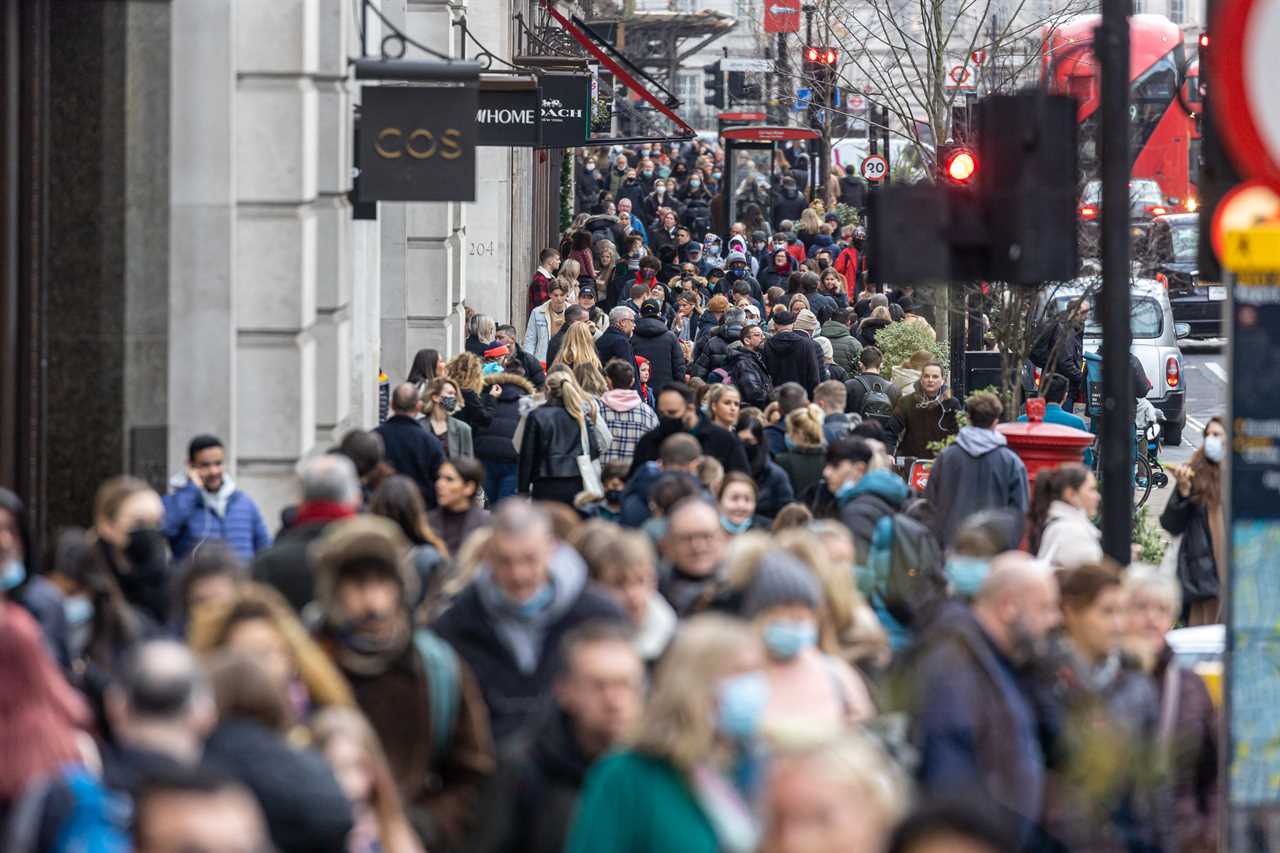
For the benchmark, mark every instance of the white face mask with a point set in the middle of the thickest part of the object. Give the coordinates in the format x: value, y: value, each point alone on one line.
x: 1215, y: 447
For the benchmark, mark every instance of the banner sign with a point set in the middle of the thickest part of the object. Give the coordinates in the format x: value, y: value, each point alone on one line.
x: 418, y: 143
x: 566, y: 110
x: 509, y: 118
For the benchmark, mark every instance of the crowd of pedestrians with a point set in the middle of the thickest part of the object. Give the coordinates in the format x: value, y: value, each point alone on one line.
x: 648, y: 578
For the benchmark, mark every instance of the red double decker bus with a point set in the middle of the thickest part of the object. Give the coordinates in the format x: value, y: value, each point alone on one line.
x: 1163, y: 136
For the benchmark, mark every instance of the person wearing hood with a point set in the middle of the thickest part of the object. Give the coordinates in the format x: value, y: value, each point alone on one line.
x: 712, y: 352
x: 599, y: 695
x: 788, y: 202
x: 625, y: 413
x: 588, y: 183
x: 978, y: 472
x: 925, y: 416
x: 403, y: 676
x: 508, y: 623
x: 208, y: 506
x: 493, y: 445
x: 863, y: 497
x: 792, y: 356
x: 654, y: 341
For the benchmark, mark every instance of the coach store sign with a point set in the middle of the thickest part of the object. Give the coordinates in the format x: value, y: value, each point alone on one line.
x: 566, y: 109
x: 418, y: 143
x: 509, y: 118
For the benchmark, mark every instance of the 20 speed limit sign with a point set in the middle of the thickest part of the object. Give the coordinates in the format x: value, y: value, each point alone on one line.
x: 875, y: 167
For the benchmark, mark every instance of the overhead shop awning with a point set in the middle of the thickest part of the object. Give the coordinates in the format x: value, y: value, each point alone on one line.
x: 591, y: 43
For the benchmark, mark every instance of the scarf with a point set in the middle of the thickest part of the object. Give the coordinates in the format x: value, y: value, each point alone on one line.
x: 554, y: 321
x: 726, y: 809
x: 360, y: 655
x: 321, y: 511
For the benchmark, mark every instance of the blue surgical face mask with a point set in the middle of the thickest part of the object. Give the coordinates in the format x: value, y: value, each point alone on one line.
x: 78, y: 610
x: 664, y: 172
x: 13, y: 573
x: 966, y: 574
x: 742, y: 702
x: 791, y: 445
x: 693, y: 185
x: 1215, y: 448
x: 735, y: 529
x: 785, y: 639
x: 536, y: 603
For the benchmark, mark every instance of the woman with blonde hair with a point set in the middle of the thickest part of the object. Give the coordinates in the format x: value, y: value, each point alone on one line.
x: 259, y: 623
x: 353, y: 751
x: 555, y: 434
x: 441, y: 399
x: 570, y: 269
x: 476, y: 408
x: 809, y: 227
x: 687, y: 781
x: 590, y: 379
x: 579, y: 347
x: 804, y: 458
x: 880, y: 319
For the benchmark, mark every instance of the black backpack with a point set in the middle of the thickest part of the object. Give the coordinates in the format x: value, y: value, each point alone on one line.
x: 906, y: 561
x: 876, y: 404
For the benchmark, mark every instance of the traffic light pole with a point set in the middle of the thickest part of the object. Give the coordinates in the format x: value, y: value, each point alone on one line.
x: 1111, y: 43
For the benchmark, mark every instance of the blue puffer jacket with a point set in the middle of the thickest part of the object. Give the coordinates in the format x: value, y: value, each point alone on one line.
x: 189, y: 520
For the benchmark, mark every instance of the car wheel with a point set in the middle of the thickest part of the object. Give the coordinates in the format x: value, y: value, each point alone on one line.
x: 1173, y: 434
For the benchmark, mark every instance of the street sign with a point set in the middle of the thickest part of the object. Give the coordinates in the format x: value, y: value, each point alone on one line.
x: 743, y: 63
x: 1245, y: 206
x: 418, y: 143
x: 959, y: 74
x: 1242, y: 60
x: 782, y: 16
x: 875, y: 167
x: 802, y: 100
x: 856, y: 103
x: 978, y: 57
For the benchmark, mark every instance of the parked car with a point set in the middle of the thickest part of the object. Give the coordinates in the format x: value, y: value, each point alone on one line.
x: 1171, y: 254
x: 1155, y: 339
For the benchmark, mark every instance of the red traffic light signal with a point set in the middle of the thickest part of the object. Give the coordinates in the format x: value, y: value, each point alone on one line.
x: 959, y: 165
x: 816, y: 55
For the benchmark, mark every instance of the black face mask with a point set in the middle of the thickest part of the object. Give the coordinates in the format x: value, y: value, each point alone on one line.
x: 670, y: 426
x: 613, y: 496
x: 147, y: 546
x: 823, y: 263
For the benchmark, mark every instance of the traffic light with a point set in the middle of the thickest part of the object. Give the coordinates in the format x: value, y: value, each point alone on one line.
x: 957, y: 164
x: 820, y: 65
x: 742, y: 88
x: 713, y: 83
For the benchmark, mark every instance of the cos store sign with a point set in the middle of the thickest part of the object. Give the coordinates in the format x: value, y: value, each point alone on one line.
x: 418, y: 143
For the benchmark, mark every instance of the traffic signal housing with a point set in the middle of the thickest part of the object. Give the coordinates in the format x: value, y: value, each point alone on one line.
x: 713, y: 83
x: 957, y: 164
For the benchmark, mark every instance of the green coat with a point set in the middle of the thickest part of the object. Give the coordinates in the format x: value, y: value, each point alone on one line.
x: 634, y: 803
x: 845, y: 348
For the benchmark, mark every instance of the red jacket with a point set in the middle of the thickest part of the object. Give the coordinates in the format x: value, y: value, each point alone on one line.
x: 847, y: 265
x: 539, y: 288
x: 796, y: 250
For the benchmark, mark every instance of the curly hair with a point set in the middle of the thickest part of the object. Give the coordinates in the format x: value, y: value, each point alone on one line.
x: 467, y: 371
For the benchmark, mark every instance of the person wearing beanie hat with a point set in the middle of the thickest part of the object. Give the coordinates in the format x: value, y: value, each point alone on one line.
x: 807, y: 686
x: 419, y: 695
x: 806, y: 321
x: 791, y: 355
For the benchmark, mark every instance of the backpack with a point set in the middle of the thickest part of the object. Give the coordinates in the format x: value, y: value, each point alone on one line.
x: 876, y: 404
x: 1042, y: 346
x: 96, y: 820
x: 906, y: 562
x: 440, y: 663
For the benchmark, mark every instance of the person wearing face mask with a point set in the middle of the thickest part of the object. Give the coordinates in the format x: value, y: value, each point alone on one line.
x: 737, y: 501
x: 632, y: 190
x: 21, y: 581
x: 687, y: 782
x: 1195, y: 511
x: 806, y: 685
x: 128, y: 518
x: 441, y: 756
x: 1066, y: 500
x: 440, y: 401
x: 588, y: 184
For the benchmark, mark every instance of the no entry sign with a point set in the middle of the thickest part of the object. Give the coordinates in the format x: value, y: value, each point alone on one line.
x: 782, y: 16
x: 1242, y: 59
x: 875, y: 167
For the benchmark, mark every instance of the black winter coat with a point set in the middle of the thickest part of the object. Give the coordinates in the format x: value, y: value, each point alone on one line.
x: 552, y: 443
x: 718, y: 443
x: 654, y: 341
x: 614, y: 344
x: 300, y: 798
x: 792, y: 356
x: 492, y: 442
x: 477, y: 410
x: 749, y: 375
x: 867, y: 330
x: 414, y: 452
x: 788, y: 204
x: 714, y: 350
x: 532, y: 367
x: 1197, y: 565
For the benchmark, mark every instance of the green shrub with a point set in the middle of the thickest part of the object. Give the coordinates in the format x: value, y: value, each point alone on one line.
x: 1150, y: 536
x: 897, y: 342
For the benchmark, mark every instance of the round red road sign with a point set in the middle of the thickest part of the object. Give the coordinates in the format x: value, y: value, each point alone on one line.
x: 1246, y: 205
x: 874, y: 167
x: 1247, y: 102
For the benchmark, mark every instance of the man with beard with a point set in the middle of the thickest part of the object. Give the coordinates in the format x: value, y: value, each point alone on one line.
x: 419, y: 695
x: 975, y: 726
x: 209, y: 507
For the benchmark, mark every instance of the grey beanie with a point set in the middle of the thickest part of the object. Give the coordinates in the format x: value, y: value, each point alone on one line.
x: 736, y: 256
x: 781, y: 579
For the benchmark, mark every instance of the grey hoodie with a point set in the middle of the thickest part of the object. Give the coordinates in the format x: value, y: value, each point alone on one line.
x: 978, y: 472
x: 522, y: 633
x: 979, y: 442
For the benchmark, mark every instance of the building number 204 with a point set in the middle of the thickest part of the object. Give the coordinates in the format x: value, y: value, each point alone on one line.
x: 420, y: 144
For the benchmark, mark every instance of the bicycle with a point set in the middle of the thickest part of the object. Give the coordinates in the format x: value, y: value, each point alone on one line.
x: 1148, y: 473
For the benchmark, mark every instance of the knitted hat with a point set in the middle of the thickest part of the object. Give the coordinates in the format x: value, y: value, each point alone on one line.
x: 806, y: 321
x: 367, y: 543
x: 650, y: 308
x: 825, y: 346
x: 784, y: 318
x: 736, y: 256
x: 497, y: 351
x: 781, y: 579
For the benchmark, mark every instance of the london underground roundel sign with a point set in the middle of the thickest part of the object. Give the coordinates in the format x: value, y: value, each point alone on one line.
x: 1243, y: 76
